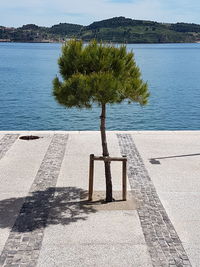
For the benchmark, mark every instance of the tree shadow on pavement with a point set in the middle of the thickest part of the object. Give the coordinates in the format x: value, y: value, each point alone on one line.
x: 56, y: 205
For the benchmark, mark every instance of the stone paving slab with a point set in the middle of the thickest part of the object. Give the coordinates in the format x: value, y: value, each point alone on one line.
x: 23, y: 244
x: 193, y: 251
x: 75, y: 168
x: 20, y: 164
x: 176, y: 180
x: 16, y: 179
x: 164, y: 244
x: 115, y: 255
x: 74, y: 234
x: 6, y: 142
x: 9, y: 210
x: 86, y: 232
x: 185, y: 205
x: 95, y: 228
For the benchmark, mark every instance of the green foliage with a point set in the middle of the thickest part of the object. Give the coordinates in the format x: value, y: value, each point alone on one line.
x: 185, y: 27
x: 98, y: 73
x: 30, y: 27
x: 117, y: 29
x: 122, y: 21
x: 122, y: 30
x: 65, y: 29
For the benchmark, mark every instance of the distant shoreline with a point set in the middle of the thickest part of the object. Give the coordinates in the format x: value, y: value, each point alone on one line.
x: 115, y: 30
x: 34, y: 42
x: 61, y: 42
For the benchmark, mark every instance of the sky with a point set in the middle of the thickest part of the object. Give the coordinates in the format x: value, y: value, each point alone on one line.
x: 15, y: 13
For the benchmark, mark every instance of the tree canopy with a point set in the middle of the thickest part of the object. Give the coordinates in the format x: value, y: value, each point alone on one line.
x: 100, y: 73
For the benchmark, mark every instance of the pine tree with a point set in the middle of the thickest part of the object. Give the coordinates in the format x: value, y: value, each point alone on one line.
x: 102, y: 74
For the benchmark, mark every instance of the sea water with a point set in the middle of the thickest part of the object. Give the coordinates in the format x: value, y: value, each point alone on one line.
x: 171, y: 70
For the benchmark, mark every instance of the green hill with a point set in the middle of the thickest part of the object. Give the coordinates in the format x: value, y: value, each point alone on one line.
x: 118, y: 29
x: 121, y: 29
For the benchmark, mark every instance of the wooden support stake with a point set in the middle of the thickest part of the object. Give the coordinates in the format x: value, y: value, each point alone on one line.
x: 91, y: 173
x: 110, y: 158
x: 124, y: 185
x: 91, y: 176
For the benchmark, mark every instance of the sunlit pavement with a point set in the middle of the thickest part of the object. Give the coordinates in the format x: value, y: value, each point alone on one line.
x: 45, y: 219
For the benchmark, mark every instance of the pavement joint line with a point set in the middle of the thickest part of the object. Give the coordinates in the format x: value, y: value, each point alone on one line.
x: 6, y: 143
x: 24, y: 242
x: 164, y: 244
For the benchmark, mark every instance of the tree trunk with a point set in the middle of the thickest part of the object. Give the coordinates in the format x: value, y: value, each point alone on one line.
x: 108, y: 177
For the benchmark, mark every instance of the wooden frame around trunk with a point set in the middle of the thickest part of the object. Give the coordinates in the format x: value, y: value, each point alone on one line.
x: 108, y: 159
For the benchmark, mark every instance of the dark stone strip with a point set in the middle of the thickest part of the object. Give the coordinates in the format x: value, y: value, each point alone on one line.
x: 25, y: 240
x: 164, y: 245
x: 6, y: 142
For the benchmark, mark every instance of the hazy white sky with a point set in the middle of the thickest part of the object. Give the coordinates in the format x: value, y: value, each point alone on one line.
x: 50, y: 12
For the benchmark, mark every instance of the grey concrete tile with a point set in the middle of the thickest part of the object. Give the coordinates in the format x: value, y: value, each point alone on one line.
x: 182, y: 206
x: 75, y: 167
x: 163, y: 242
x: 178, y: 156
x: 9, y: 210
x: 20, y: 165
x: 25, y: 238
x: 189, y: 232
x: 101, y: 227
x: 115, y: 255
x: 193, y: 252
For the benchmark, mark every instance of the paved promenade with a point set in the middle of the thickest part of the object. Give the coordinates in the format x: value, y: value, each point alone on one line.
x: 46, y: 220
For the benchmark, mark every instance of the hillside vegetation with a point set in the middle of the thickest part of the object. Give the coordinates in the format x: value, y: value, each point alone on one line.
x: 118, y: 29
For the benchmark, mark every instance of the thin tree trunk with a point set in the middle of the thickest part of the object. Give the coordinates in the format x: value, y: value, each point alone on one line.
x: 108, y: 177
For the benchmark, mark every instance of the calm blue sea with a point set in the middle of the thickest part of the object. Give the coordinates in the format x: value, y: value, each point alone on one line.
x: 172, y: 72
